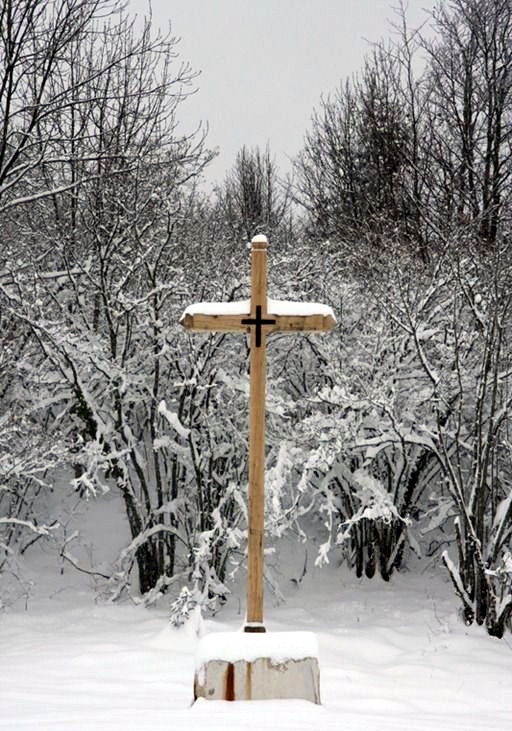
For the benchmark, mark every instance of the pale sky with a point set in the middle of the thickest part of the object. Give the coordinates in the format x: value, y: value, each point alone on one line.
x: 265, y: 63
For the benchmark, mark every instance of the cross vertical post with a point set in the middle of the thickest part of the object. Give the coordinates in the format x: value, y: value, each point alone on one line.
x: 254, y: 619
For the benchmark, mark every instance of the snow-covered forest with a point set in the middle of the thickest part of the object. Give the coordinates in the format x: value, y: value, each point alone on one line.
x: 389, y: 442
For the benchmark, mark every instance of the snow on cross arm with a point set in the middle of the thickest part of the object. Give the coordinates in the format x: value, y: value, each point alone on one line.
x: 243, y: 307
x: 274, y: 307
x: 290, y: 316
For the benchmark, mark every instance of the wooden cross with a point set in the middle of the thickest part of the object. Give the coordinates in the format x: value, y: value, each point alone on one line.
x: 259, y: 317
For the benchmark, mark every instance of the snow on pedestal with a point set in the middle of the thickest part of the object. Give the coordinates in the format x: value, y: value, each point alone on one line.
x: 257, y: 666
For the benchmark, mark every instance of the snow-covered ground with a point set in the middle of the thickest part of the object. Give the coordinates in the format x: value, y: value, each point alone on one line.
x: 392, y: 656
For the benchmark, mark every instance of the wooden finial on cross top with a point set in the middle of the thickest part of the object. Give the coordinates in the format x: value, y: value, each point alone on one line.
x: 260, y: 316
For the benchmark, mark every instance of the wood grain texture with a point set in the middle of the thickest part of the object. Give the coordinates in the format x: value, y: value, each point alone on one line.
x: 214, y: 323
x: 258, y: 359
x: 302, y: 323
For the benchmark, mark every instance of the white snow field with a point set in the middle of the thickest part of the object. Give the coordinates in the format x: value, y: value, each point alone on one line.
x: 392, y: 656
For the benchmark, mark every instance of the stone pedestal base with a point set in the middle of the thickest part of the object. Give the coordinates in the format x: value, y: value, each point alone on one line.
x: 260, y: 678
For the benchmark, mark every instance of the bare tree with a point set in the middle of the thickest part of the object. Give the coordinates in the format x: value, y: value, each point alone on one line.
x: 37, y: 86
x: 353, y: 170
x: 100, y: 185
x: 471, y: 101
x: 252, y: 197
x: 457, y: 323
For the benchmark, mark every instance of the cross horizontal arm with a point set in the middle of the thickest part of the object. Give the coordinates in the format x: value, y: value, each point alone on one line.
x: 208, y: 317
x: 283, y: 323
